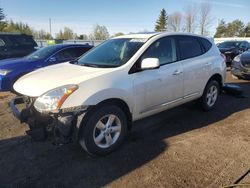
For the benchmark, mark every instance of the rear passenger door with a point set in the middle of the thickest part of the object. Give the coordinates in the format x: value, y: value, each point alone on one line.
x: 196, y: 64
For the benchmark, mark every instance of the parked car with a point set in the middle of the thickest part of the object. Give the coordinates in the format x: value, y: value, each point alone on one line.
x: 233, y: 48
x: 16, y: 45
x: 95, y: 99
x: 12, y: 69
x: 241, y: 66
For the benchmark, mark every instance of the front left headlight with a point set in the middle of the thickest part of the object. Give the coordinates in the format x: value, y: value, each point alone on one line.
x: 53, y: 100
x: 4, y: 72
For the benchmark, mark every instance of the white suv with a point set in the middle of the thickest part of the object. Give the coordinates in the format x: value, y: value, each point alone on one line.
x: 97, y: 97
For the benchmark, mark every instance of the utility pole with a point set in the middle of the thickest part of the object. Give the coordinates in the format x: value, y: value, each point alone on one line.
x: 50, y: 26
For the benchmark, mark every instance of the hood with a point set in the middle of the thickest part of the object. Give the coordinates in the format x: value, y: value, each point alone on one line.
x: 41, y: 81
x: 13, y: 63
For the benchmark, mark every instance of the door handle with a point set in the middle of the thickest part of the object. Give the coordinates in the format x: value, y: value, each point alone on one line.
x: 177, y: 72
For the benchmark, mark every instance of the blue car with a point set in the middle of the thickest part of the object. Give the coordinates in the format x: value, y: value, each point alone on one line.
x: 12, y: 69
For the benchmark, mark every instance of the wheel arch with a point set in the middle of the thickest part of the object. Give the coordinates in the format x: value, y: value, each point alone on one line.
x: 217, y: 77
x: 112, y: 101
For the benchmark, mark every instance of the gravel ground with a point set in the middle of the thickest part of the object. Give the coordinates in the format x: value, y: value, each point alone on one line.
x: 182, y: 147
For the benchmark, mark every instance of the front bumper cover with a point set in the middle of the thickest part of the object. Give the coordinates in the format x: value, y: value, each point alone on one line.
x: 63, y: 125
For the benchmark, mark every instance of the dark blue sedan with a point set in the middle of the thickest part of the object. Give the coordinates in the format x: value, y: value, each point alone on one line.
x: 12, y: 69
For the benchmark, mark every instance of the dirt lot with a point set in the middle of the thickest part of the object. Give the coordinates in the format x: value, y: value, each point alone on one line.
x: 183, y: 147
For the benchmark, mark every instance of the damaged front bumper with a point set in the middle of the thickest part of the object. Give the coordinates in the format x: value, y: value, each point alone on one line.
x: 63, y: 125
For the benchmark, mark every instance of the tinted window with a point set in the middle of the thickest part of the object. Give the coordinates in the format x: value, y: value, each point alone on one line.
x: 206, y: 44
x: 43, y: 53
x: 80, y: 51
x: 189, y: 47
x: 71, y: 53
x: 66, y: 54
x: 163, y: 49
x: 24, y: 40
x: 229, y: 44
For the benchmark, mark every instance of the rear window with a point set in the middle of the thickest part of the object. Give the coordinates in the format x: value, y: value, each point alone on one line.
x: 24, y: 40
x: 205, y: 44
x: 189, y: 47
x: 17, y: 40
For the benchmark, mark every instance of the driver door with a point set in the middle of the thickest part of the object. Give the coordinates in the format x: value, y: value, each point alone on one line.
x: 159, y: 89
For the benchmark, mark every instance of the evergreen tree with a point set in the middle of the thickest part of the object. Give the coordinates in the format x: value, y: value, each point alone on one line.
x: 161, y: 23
x: 221, y: 29
x: 247, y: 30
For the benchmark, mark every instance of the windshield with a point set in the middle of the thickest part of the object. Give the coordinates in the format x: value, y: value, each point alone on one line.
x: 112, y: 53
x: 42, y: 53
x: 229, y: 44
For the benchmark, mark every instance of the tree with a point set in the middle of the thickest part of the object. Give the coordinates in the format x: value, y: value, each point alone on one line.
x: 66, y: 34
x: 189, y: 18
x: 99, y: 33
x: 235, y: 29
x: 221, y: 29
x: 41, y: 34
x: 205, y: 19
x: 247, y: 30
x: 2, y: 20
x: 174, y: 22
x: 18, y: 27
x: 161, y: 23
x: 118, y: 34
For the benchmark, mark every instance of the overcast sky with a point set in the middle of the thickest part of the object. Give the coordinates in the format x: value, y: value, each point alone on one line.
x: 117, y: 15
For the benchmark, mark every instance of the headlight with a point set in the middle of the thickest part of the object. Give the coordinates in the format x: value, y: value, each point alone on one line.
x: 53, y: 100
x: 228, y: 52
x: 4, y: 72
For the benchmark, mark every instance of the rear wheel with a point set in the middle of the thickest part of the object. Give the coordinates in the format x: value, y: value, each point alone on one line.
x: 104, y: 130
x: 210, y: 95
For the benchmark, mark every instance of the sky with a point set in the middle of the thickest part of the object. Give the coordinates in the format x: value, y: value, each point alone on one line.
x: 117, y: 15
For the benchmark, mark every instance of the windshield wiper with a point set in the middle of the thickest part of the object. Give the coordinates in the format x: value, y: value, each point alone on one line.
x: 89, y: 65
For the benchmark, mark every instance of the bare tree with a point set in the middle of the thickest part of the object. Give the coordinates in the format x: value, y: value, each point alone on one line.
x: 99, y: 33
x: 175, y: 22
x: 190, y: 19
x: 205, y: 18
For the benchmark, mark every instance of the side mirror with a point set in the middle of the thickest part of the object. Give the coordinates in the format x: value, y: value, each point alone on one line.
x: 52, y: 59
x: 150, y: 63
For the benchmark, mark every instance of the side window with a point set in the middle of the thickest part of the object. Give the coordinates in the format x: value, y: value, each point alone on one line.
x: 66, y: 54
x: 2, y: 43
x: 206, y: 44
x: 80, y: 51
x: 164, y: 49
x: 189, y: 47
x: 24, y: 40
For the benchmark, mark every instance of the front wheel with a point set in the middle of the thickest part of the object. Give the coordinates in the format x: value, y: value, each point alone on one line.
x: 104, y: 130
x: 210, y: 95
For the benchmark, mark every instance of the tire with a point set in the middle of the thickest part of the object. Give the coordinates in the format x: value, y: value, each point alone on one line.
x: 104, y: 130
x: 210, y: 95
